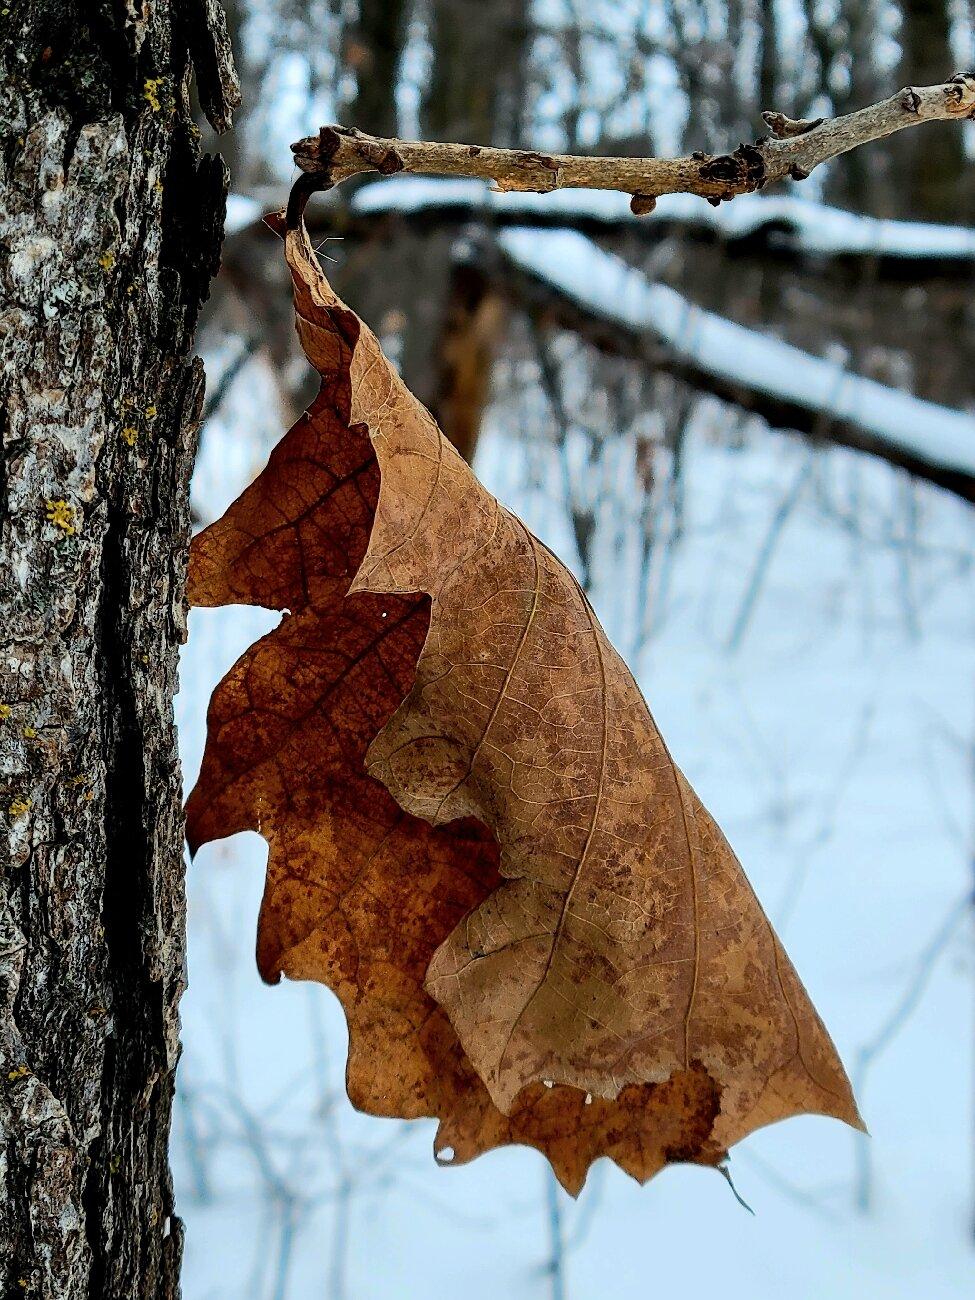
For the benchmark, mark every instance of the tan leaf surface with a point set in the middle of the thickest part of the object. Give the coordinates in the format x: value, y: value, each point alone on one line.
x: 620, y: 952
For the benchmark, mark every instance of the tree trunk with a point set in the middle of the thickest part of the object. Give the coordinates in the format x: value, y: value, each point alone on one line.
x: 931, y: 172
x: 374, y: 48
x: 475, y: 91
x: 111, y: 224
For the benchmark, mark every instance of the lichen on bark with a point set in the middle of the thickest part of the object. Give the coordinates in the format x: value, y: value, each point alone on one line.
x: 110, y: 224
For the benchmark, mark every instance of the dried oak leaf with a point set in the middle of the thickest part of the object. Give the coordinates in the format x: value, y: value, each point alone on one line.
x: 467, y: 803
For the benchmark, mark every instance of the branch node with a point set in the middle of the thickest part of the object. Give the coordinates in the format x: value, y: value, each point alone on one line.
x: 910, y: 99
x: 787, y: 128
x: 961, y: 88
x: 742, y: 171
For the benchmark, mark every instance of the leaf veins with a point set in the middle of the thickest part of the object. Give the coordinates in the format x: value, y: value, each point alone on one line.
x: 478, y: 838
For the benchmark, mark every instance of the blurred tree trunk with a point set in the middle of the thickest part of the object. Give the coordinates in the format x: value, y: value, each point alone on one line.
x: 850, y: 77
x: 373, y: 49
x: 476, y: 92
x: 111, y: 231
x: 477, y: 83
x: 471, y: 333
x: 931, y: 172
x: 768, y: 71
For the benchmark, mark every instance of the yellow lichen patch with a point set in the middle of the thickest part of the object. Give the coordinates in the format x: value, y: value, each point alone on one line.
x: 18, y: 807
x: 106, y: 261
x: 150, y: 411
x: 62, y: 515
x: 28, y: 733
x: 4, y: 711
x: 150, y: 93
x: 129, y: 435
x: 19, y: 1072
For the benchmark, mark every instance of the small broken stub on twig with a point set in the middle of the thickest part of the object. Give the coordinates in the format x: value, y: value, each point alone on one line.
x: 641, y: 205
x: 377, y: 154
x: 787, y: 128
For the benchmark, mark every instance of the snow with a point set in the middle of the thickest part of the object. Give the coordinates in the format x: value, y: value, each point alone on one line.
x: 242, y: 211
x: 834, y: 746
x: 815, y: 228
x: 790, y: 222
x: 612, y: 288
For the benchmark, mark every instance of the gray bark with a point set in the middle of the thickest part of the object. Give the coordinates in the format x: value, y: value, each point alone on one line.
x: 110, y: 224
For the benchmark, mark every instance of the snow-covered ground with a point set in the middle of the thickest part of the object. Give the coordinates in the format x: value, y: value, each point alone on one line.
x: 811, y: 660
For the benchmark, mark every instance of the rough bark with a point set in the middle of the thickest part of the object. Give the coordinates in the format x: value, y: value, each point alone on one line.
x: 111, y: 224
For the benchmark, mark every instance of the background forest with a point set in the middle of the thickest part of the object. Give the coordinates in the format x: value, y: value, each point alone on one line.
x: 750, y: 430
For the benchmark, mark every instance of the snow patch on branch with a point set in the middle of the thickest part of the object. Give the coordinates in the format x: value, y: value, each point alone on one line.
x: 802, y: 225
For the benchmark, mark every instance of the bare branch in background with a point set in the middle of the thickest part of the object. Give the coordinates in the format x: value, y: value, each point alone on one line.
x: 771, y: 397
x: 555, y: 1268
x: 905, y: 1007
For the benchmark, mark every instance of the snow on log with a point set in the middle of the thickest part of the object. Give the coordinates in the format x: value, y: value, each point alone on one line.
x: 787, y: 223
x: 789, y: 387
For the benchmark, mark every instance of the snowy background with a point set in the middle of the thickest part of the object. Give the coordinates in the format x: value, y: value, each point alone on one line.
x: 801, y: 618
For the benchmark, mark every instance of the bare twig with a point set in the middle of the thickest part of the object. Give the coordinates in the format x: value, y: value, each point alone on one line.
x: 793, y: 150
x: 904, y: 1008
x: 220, y: 391
x: 555, y: 1268
x: 767, y: 549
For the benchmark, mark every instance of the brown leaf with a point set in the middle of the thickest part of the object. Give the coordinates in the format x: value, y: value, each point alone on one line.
x: 620, y: 953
